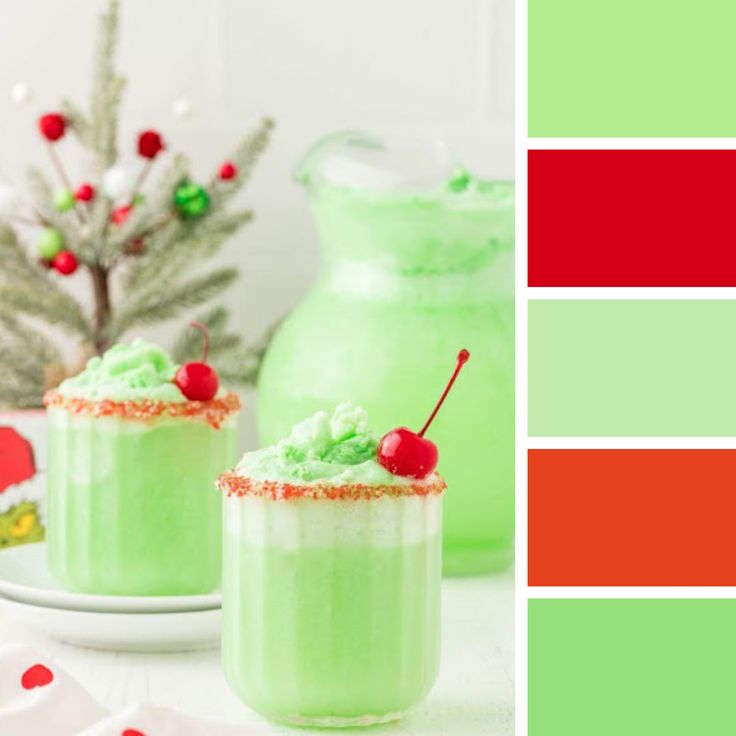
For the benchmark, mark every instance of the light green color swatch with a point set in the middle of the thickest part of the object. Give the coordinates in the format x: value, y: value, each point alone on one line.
x: 632, y: 667
x: 631, y: 68
x: 632, y: 368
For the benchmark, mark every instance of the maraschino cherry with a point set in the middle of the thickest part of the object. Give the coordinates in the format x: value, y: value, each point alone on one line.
x: 411, y: 454
x: 198, y: 381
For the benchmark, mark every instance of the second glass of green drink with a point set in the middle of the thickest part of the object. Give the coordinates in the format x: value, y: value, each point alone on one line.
x: 331, y: 582
x: 131, y: 510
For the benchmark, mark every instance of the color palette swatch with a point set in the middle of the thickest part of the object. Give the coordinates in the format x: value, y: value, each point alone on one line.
x: 631, y: 68
x: 631, y: 383
x: 632, y: 218
x: 632, y: 368
x: 632, y: 517
x: 632, y: 667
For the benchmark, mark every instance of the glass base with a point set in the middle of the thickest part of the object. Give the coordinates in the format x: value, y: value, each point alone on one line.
x: 341, y: 721
x: 467, y: 562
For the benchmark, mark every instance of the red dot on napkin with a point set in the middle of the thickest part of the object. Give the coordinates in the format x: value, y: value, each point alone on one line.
x: 37, y: 676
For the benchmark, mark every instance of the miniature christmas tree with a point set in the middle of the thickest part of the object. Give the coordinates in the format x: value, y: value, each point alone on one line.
x: 138, y: 247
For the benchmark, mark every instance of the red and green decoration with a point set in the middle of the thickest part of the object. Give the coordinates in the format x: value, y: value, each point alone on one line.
x: 189, y: 200
x: 136, y: 237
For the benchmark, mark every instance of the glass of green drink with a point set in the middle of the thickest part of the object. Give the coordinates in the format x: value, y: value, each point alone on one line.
x: 131, y: 463
x: 331, y: 583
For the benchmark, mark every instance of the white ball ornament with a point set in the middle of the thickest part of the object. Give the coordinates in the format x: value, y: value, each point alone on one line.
x: 182, y: 107
x: 20, y: 93
x: 116, y: 182
x: 9, y: 202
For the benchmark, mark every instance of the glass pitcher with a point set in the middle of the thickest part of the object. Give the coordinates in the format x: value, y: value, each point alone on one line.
x: 417, y: 262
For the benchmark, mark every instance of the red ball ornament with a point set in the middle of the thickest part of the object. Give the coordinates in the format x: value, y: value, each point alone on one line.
x: 228, y: 171
x: 52, y: 126
x: 65, y: 262
x: 85, y: 193
x: 121, y: 214
x: 411, y: 454
x: 198, y: 381
x: 150, y: 144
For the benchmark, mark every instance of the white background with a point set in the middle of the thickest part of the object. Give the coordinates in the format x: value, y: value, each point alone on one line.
x: 435, y: 67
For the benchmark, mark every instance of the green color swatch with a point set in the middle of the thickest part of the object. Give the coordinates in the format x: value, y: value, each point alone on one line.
x: 631, y: 68
x: 632, y: 667
x: 632, y: 368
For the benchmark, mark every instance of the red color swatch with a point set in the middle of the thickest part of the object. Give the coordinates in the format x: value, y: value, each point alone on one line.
x: 632, y: 517
x: 632, y: 218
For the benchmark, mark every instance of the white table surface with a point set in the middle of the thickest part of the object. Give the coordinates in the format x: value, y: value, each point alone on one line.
x: 473, y: 695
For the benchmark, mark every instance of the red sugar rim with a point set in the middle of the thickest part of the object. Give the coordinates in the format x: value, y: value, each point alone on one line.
x: 214, y: 411
x: 237, y: 485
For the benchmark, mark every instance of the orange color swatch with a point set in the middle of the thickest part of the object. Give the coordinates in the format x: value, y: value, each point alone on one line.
x: 632, y: 517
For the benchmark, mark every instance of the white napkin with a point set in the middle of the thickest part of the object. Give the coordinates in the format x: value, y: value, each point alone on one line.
x: 150, y: 720
x: 37, y: 698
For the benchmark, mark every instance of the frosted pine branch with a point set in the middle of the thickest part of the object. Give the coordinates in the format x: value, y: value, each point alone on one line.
x: 28, y: 289
x: 31, y: 341
x: 107, y: 89
x: 150, y: 214
x: 79, y: 123
x: 52, y: 305
x: 244, y: 158
x: 66, y: 223
x: 155, y: 305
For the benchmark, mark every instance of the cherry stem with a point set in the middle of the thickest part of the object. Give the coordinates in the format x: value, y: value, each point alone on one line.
x: 462, y: 358
x: 205, y: 334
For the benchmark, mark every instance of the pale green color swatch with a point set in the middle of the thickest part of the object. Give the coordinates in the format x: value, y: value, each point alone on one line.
x: 632, y: 667
x: 631, y: 68
x: 632, y: 368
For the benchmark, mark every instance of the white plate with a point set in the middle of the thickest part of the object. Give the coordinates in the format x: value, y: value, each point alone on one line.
x: 131, y: 632
x: 25, y: 577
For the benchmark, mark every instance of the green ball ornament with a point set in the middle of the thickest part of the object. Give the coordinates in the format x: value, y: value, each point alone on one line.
x: 50, y: 243
x: 64, y: 200
x: 191, y: 200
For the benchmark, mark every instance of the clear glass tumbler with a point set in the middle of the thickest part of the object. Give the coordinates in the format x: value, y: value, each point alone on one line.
x: 131, y: 510
x: 331, y: 605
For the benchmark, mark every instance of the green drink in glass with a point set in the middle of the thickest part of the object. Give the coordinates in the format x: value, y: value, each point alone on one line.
x: 331, y: 583
x: 417, y: 259
x: 131, y: 463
